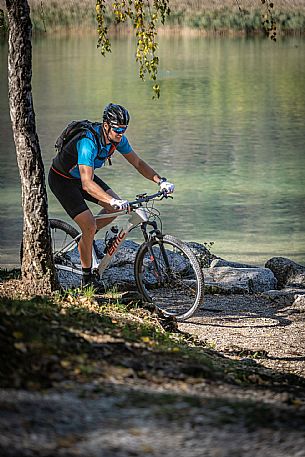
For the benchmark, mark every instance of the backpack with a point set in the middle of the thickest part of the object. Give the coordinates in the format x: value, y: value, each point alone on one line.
x: 76, y: 127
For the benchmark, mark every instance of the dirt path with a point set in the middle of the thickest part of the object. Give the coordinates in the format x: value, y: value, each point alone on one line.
x: 255, y: 328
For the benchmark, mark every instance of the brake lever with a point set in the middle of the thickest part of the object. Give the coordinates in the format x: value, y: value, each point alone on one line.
x: 165, y: 195
x: 141, y: 195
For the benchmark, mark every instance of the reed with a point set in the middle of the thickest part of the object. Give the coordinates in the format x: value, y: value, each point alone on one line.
x: 204, y: 16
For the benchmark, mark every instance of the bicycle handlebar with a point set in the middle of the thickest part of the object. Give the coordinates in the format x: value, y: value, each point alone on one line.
x: 138, y: 202
x: 146, y: 198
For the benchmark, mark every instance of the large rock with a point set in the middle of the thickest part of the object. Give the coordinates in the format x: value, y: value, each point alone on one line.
x: 222, y: 277
x: 287, y: 296
x: 119, y: 278
x: 126, y: 254
x: 287, y: 272
x: 203, y: 255
x: 227, y: 263
x: 239, y: 280
x: 118, y: 275
x: 120, y: 272
x: 68, y: 280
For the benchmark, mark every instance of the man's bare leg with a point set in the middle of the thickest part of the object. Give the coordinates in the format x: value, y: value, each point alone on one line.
x: 89, y: 226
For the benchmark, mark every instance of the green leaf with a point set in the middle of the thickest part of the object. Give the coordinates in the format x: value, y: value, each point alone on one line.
x: 144, y: 16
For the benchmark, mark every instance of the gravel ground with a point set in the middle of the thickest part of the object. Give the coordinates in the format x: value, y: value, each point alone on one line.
x: 252, y: 325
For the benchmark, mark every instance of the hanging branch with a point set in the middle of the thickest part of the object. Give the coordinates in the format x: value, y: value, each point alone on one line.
x: 144, y: 16
x: 43, y: 16
x: 102, y: 29
x: 269, y: 23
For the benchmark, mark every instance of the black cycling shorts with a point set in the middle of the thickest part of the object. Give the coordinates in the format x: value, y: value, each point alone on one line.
x: 70, y: 194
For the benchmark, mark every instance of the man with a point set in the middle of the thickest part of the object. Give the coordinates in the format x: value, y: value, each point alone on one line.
x: 72, y: 178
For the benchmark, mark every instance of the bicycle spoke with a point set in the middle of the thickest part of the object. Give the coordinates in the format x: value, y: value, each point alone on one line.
x: 170, y: 277
x: 64, y: 246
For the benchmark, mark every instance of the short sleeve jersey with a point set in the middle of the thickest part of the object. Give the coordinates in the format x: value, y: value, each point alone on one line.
x: 88, y: 152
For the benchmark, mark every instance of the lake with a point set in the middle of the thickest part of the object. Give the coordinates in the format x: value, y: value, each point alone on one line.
x: 228, y: 130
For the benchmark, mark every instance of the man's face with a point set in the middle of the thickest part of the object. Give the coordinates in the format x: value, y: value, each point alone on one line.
x: 115, y: 133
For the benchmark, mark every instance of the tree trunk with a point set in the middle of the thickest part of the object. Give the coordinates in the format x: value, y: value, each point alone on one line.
x: 37, y: 264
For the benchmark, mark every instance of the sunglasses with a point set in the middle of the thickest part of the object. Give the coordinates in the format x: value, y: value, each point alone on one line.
x: 119, y: 129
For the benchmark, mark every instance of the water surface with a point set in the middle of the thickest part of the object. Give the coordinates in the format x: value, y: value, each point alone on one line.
x: 228, y: 131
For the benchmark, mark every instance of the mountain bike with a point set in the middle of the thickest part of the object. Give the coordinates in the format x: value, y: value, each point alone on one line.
x: 166, y: 271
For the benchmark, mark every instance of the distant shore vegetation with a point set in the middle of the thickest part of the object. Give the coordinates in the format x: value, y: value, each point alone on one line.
x: 226, y: 17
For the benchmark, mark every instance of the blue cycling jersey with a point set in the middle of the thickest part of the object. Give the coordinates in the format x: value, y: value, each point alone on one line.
x: 87, y: 151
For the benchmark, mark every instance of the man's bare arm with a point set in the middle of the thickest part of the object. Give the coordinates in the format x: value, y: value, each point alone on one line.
x: 142, y: 167
x: 87, y: 175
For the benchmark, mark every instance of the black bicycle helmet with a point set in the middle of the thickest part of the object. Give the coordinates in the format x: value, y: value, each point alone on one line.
x: 115, y: 115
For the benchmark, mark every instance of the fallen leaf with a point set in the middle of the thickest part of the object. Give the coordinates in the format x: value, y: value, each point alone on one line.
x: 65, y: 363
x: 21, y: 347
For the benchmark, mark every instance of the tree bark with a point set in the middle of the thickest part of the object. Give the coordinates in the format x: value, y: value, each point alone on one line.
x: 37, y: 263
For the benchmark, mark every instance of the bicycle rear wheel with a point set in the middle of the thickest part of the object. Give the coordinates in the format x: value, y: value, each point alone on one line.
x: 168, y: 274
x: 64, y: 239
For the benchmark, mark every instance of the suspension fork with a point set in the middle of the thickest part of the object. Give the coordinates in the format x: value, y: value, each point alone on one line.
x: 155, y: 233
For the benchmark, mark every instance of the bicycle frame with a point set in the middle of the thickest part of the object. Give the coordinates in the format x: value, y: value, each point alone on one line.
x: 137, y: 216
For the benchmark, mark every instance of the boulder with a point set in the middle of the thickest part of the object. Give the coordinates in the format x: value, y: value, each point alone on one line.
x: 203, y: 255
x: 119, y: 278
x: 287, y: 272
x: 239, y: 280
x: 120, y: 273
x: 226, y: 263
x: 221, y: 276
x: 300, y: 300
x: 286, y: 297
x: 68, y: 280
x: 125, y: 255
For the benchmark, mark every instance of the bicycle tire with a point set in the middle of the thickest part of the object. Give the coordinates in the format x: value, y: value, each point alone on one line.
x: 56, y: 224
x: 176, y: 289
x: 62, y: 234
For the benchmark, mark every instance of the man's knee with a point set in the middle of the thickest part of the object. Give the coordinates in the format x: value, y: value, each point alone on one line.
x: 90, y: 229
x: 86, y: 223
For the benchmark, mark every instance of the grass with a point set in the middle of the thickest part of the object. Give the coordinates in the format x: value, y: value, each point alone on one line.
x: 47, y: 342
x: 201, y: 15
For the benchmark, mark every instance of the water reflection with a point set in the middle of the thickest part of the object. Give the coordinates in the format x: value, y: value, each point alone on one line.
x: 228, y: 130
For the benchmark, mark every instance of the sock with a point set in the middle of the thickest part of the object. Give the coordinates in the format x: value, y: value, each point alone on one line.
x: 86, y: 271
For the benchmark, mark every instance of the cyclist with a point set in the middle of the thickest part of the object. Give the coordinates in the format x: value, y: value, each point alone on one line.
x: 72, y: 179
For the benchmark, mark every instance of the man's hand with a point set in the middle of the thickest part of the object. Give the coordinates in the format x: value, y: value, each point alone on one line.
x: 119, y: 204
x: 167, y: 186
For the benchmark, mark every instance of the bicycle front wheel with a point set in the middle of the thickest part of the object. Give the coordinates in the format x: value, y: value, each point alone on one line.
x: 168, y: 274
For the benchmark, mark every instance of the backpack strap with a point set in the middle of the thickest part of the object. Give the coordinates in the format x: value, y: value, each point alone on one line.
x: 111, y: 151
x: 96, y: 136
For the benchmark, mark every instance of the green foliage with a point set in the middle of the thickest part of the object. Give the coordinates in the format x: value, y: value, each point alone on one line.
x: 268, y: 20
x: 217, y: 17
x: 2, y: 19
x: 10, y: 274
x: 144, y: 17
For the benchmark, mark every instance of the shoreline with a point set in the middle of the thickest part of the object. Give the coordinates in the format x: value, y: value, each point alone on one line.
x: 187, y: 18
